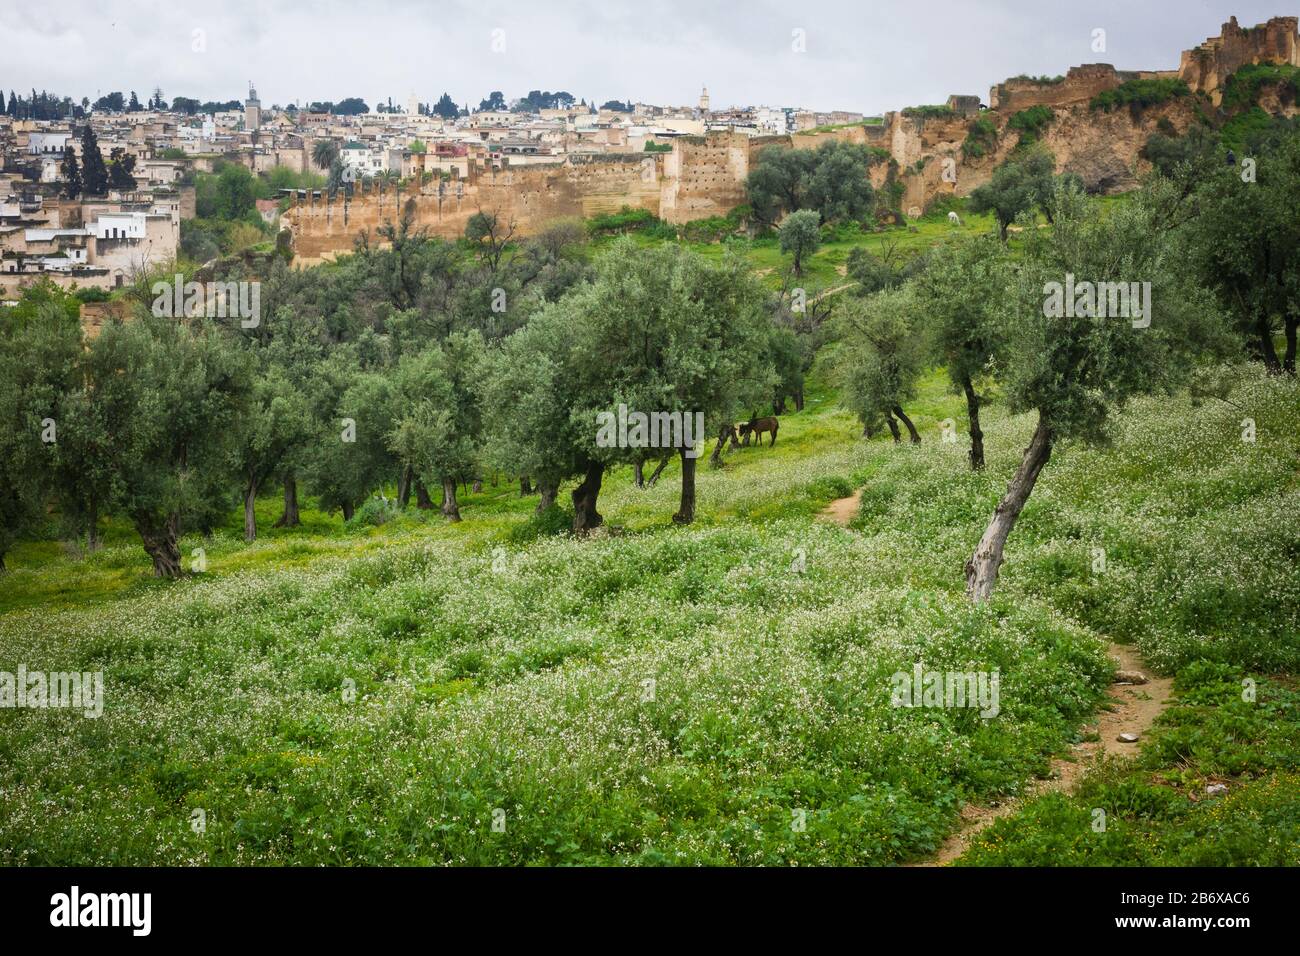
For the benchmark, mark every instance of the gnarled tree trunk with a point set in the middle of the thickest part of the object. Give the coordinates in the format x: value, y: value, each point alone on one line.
x: 1266, y: 350
x: 976, y: 435
x: 659, y: 470
x: 250, y: 510
x: 727, y: 432
x: 638, y: 474
x: 450, y: 508
x: 289, y: 518
x: 686, y: 510
x: 893, y: 428
x: 477, y: 486
x: 585, y: 516
x: 548, y: 491
x: 911, y: 429
x: 982, y: 568
x: 159, y: 542
x: 92, y: 528
x: 422, y: 499
x: 404, y: 481
x: 348, y: 511
x: 1288, y: 363
x: 525, y: 487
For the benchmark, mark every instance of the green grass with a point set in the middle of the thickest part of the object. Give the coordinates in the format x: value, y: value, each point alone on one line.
x: 1159, y: 810
x: 668, y: 695
x: 825, y: 269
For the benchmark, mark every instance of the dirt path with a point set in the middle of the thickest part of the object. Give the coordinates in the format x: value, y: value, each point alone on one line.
x: 1136, y: 699
x: 842, y: 510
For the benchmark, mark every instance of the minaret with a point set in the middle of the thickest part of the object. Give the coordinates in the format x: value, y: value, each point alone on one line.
x: 704, y: 99
x: 252, y: 110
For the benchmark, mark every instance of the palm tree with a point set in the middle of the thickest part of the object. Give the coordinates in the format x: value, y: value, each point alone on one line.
x: 324, y: 153
x: 335, y: 180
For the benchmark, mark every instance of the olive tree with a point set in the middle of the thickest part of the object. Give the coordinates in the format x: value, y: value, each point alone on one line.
x: 800, y: 236
x: 438, y: 429
x: 1076, y: 353
x: 880, y: 354
x: 958, y: 295
x: 175, y: 398
x: 666, y: 333
x: 1244, y: 239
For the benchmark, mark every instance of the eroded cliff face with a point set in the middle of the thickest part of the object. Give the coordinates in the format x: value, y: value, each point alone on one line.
x: 1103, y: 148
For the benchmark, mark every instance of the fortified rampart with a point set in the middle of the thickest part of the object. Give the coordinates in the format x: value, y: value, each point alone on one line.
x: 705, y: 175
x: 1208, y: 66
x: 528, y: 196
x: 1079, y: 85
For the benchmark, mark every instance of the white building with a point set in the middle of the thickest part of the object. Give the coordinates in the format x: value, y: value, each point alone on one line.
x: 47, y: 143
x: 360, y: 160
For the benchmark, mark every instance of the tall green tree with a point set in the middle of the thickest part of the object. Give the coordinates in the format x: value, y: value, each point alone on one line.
x: 174, y: 398
x: 278, y: 422
x: 665, y: 332
x: 351, y: 457
x: 439, y: 429
x: 121, y: 165
x: 879, y: 356
x: 324, y: 152
x: 445, y: 107
x: 1075, y: 369
x: 38, y: 357
x: 1244, y: 240
x: 833, y: 179
x: 71, y: 172
x: 958, y: 295
x: 1018, y: 186
x: 529, y: 406
x: 800, y: 236
x: 94, y: 174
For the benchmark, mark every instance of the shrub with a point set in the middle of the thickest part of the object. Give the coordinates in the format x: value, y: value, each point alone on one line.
x: 1139, y: 94
x: 1242, y: 87
x: 981, y: 138
x: 929, y: 112
x: 626, y: 219
x: 375, y: 512
x: 550, y: 523
x: 1031, y: 123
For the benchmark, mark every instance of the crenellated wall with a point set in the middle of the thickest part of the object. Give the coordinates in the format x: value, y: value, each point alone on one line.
x: 528, y: 196
x: 705, y: 175
x: 1207, y: 67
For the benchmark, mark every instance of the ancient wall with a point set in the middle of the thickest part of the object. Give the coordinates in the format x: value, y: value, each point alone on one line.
x: 1080, y: 85
x: 705, y: 176
x: 1207, y: 67
x: 528, y: 196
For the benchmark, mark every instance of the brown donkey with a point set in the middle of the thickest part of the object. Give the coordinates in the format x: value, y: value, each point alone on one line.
x: 756, y: 427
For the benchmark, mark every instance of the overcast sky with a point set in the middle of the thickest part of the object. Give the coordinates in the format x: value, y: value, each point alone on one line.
x: 864, y: 55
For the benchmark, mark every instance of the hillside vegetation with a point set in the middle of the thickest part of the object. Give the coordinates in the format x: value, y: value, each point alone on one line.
x: 495, y: 672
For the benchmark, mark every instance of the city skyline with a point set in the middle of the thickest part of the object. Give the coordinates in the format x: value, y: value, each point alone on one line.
x: 647, y: 52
